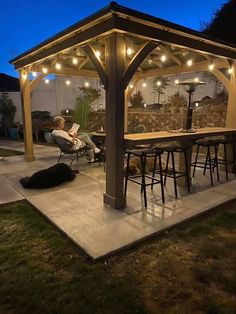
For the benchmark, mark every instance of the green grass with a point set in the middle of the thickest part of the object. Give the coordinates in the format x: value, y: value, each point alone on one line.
x: 190, y: 269
x: 9, y: 152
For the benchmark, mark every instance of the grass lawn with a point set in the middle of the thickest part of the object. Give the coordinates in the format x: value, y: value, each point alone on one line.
x: 190, y: 269
x: 9, y: 152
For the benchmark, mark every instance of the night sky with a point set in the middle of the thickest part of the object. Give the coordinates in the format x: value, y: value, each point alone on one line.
x: 25, y: 23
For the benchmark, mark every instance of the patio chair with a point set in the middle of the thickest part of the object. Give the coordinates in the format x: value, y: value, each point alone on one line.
x: 66, y: 149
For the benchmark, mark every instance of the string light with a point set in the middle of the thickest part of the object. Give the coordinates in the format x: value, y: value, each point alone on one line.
x: 131, y: 86
x: 47, y: 81
x: 144, y: 84
x: 230, y: 70
x: 44, y: 70
x: 75, y: 61
x: 24, y: 75
x: 58, y: 66
x: 98, y: 53
x: 158, y: 83
x: 86, y: 84
x: 34, y: 74
x: 129, y: 51
x: 176, y: 81
x: 68, y: 82
x: 196, y: 79
x: 211, y: 66
x: 163, y: 58
x: 190, y: 62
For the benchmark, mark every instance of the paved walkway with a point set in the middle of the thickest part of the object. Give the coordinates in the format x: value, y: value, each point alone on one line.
x: 77, y: 208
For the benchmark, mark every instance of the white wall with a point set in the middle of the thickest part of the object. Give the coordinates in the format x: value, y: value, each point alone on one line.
x: 57, y: 96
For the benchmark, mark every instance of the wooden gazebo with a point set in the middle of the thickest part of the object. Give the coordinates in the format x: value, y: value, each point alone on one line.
x: 119, y: 45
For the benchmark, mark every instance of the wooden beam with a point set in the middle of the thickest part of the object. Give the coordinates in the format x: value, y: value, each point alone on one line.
x: 97, y: 64
x: 26, y: 115
x: 222, y: 78
x: 231, y: 109
x: 196, y: 67
x: 69, y: 72
x: 86, y: 59
x: 82, y: 37
x: 36, y: 81
x: 168, y: 36
x: 170, y: 55
x: 137, y: 60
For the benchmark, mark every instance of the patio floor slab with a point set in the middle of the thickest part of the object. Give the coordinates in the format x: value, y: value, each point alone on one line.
x: 76, y: 208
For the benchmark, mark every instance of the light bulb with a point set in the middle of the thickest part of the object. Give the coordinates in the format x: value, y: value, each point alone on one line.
x: 129, y: 51
x: 144, y: 84
x: 158, y: 83
x: 211, y: 66
x: 67, y: 82
x: 196, y: 79
x: 176, y: 81
x: 47, y: 81
x: 34, y: 74
x: 86, y: 84
x: 75, y: 61
x: 24, y: 75
x: 131, y: 86
x: 44, y: 70
x: 163, y: 58
x: 190, y: 62
x: 230, y: 70
x: 58, y: 66
x: 98, y: 53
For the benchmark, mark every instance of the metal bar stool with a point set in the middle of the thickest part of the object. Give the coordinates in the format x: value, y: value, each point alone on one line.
x: 210, y: 162
x: 143, y: 155
x: 173, y: 172
x: 224, y: 160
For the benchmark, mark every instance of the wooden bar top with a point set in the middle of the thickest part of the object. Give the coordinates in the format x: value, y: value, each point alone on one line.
x: 165, y: 136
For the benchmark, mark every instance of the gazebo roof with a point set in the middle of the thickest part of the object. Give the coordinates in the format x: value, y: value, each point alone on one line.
x: 176, y: 42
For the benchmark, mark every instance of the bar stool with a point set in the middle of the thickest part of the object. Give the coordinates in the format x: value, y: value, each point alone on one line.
x: 173, y: 172
x: 143, y: 155
x: 210, y: 162
x: 224, y: 160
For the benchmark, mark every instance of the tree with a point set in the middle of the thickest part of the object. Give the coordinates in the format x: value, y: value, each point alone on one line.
x: 177, y: 101
x: 221, y: 24
x: 159, y: 84
x: 83, y: 104
x: 136, y: 99
x: 8, y: 111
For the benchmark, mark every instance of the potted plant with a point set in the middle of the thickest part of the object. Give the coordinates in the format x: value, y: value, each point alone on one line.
x: 7, y: 111
x: 47, y: 133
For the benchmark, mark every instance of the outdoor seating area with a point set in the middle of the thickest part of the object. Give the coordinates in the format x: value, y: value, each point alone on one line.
x: 77, y: 210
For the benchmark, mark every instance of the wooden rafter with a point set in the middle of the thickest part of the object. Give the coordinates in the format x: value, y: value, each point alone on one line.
x: 196, y: 67
x: 137, y: 60
x: 88, y: 49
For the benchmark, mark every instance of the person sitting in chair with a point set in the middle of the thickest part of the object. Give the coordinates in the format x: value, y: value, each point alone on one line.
x: 78, y: 141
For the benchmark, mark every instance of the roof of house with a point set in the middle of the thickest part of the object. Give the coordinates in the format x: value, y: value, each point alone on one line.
x: 9, y: 83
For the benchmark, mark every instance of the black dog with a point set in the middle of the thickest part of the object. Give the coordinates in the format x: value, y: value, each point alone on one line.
x: 49, y: 177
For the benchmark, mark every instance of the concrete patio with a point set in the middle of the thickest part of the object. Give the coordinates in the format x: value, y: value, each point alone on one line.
x: 77, y: 209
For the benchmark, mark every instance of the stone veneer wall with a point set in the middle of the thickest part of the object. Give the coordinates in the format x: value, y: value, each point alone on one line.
x: 207, y: 115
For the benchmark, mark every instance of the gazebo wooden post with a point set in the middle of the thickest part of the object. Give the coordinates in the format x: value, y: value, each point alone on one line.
x: 231, y: 109
x: 126, y: 111
x: 26, y: 114
x: 115, y: 67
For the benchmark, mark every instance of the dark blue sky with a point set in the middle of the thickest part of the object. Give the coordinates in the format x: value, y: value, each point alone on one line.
x: 25, y: 23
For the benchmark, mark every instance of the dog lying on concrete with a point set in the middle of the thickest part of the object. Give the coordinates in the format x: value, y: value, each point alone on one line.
x: 49, y: 177
x: 135, y: 165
